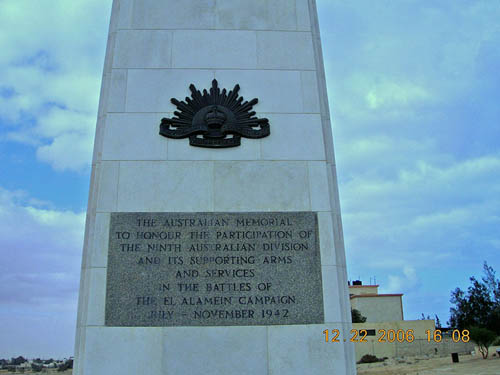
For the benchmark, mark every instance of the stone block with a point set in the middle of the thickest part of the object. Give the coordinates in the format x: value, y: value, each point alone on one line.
x: 110, y: 350
x: 180, y: 149
x: 134, y: 136
x: 260, y: 186
x: 185, y: 14
x: 107, y: 172
x: 299, y: 350
x: 143, y: 49
x: 318, y: 184
x: 331, y: 295
x: 256, y: 15
x: 150, y: 90
x: 215, y: 350
x: 310, y: 95
x: 277, y: 91
x: 117, y: 90
x: 97, y: 296
x: 100, y: 238
x: 125, y: 14
x: 294, y: 137
x: 285, y: 50
x: 326, y: 239
x: 227, y: 49
x: 185, y: 186
x: 303, y: 16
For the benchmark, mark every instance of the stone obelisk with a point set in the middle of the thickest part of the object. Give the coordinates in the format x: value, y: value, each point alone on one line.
x: 213, y: 241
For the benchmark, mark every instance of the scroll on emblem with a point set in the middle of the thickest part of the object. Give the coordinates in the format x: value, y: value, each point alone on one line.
x: 215, y: 120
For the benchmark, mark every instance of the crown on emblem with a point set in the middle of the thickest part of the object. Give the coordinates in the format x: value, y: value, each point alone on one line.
x: 216, y: 119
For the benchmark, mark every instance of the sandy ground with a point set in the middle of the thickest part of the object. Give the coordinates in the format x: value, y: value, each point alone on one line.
x: 468, y: 365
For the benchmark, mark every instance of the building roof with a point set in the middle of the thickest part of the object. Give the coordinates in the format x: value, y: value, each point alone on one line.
x: 375, y: 295
x: 363, y: 286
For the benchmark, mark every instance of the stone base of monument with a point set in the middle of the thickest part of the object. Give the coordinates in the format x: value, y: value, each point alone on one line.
x: 213, y: 240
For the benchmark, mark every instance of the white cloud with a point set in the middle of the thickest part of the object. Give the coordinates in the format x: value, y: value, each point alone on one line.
x: 51, y: 65
x: 402, y: 282
x: 39, y: 276
x: 40, y: 247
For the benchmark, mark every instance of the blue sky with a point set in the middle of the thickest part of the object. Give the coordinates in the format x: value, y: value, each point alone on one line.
x: 413, y: 89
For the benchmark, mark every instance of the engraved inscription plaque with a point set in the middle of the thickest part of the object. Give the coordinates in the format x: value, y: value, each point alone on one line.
x: 213, y: 269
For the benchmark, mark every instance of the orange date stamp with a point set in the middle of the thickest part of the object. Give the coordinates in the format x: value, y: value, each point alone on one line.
x: 392, y: 335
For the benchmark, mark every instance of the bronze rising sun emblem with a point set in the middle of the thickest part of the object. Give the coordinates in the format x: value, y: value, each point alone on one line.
x: 215, y: 120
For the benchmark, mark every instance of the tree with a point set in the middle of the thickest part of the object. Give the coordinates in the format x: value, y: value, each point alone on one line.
x: 438, y: 322
x: 36, y: 367
x: 17, y: 361
x: 357, y: 317
x: 480, y: 307
x: 483, y: 338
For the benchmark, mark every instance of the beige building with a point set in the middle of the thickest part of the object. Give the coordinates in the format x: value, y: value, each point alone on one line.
x: 374, y: 306
x: 385, y: 332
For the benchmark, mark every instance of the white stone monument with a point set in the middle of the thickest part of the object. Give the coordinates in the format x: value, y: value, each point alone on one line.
x: 201, y: 258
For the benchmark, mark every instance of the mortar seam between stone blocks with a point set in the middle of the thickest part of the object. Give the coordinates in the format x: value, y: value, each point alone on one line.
x: 172, y: 50
x: 309, y: 184
x: 296, y: 17
x: 267, y: 350
x: 215, y: 15
x: 302, y: 93
x: 222, y: 68
x: 260, y: 113
x: 188, y: 29
x: 126, y: 92
x: 213, y: 186
x: 117, y: 186
x: 206, y: 160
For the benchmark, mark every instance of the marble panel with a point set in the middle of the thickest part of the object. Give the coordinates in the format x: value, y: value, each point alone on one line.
x: 96, y: 154
x: 143, y: 49
x: 107, y: 183
x: 303, y: 17
x: 285, y: 50
x: 185, y: 14
x: 181, y: 186
x: 261, y: 186
x: 83, y: 297
x: 150, y: 90
x: 126, y: 351
x: 100, y: 235
x: 299, y: 350
x: 226, y: 49
x: 117, y: 90
x: 331, y: 294
x: 326, y: 238
x: 134, y: 136
x: 97, y: 296
x: 310, y: 96
x: 179, y: 149
x: 256, y: 15
x: 125, y: 14
x: 110, y: 49
x: 294, y: 137
x: 206, y: 350
x: 337, y: 220
x: 277, y: 91
x: 318, y: 184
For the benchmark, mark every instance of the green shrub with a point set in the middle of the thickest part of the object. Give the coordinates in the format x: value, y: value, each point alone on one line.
x: 368, y: 358
x: 497, y: 341
x: 483, y: 338
x: 36, y: 368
